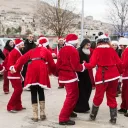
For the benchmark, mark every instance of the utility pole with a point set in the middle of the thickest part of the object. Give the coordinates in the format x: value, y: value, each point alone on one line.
x: 82, y: 21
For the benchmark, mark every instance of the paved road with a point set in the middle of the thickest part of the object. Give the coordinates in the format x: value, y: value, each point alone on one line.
x: 54, y: 101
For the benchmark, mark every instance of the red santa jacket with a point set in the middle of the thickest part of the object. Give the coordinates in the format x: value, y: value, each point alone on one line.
x: 125, y: 64
x: 68, y: 64
x: 14, y: 55
x: 37, y: 72
x: 107, y: 60
x: 6, y: 53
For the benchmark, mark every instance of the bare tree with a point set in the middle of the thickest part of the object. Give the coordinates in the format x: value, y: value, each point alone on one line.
x: 118, y: 15
x: 57, y: 18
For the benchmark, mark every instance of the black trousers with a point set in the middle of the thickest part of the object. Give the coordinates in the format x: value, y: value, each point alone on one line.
x: 37, y: 92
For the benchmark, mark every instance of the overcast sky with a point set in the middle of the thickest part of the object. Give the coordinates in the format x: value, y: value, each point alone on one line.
x: 96, y: 8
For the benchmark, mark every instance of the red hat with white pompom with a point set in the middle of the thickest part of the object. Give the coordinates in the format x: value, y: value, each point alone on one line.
x: 71, y: 39
x: 18, y: 42
x: 43, y: 41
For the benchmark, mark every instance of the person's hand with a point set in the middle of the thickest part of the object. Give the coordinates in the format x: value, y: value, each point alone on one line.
x: 53, y: 55
x: 12, y: 70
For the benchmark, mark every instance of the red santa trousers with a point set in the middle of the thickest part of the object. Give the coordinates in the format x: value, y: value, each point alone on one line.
x: 6, y: 82
x: 15, y: 101
x: 70, y: 101
x: 124, y: 95
x: 110, y: 88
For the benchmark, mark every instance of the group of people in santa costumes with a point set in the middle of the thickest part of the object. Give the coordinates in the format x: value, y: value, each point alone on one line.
x: 40, y: 61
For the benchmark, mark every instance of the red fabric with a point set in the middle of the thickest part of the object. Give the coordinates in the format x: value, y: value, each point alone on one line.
x: 37, y: 71
x: 104, y: 57
x: 125, y: 63
x: 15, y: 101
x: 70, y: 101
x: 110, y: 88
x: 6, y: 82
x: 68, y: 63
x: 14, y: 55
x: 124, y: 95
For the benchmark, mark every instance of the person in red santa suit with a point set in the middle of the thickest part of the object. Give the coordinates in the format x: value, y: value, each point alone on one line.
x: 7, y: 49
x: 124, y: 94
x: 68, y: 63
x: 107, y: 75
x: 37, y: 77
x: 56, y: 51
x: 15, y: 104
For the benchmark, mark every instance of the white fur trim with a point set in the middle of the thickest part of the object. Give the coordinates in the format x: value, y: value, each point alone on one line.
x: 68, y: 81
x: 67, y: 44
x: 83, y: 67
x: 45, y: 44
x: 35, y: 84
x: 19, y: 44
x: 103, y: 46
x: 18, y: 50
x: 11, y: 77
x: 100, y: 82
x: 2, y: 70
x: 124, y: 78
x: 73, y: 42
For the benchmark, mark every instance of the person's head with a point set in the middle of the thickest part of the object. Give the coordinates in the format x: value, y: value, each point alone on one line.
x: 85, y: 46
x: 30, y: 37
x: 114, y: 45
x: 19, y: 44
x: 43, y: 42
x: 123, y: 43
x: 60, y: 41
x: 103, y: 40
x: 72, y: 39
x: 9, y: 45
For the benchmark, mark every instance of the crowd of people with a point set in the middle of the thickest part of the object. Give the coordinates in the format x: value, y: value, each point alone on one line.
x: 28, y: 66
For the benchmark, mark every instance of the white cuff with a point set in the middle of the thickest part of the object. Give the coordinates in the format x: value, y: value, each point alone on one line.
x: 2, y: 70
x: 83, y: 68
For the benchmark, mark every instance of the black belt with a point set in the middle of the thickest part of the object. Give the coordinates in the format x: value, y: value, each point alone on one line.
x: 38, y: 58
x: 103, y: 73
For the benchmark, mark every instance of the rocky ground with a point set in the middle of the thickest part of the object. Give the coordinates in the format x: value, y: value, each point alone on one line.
x: 54, y: 102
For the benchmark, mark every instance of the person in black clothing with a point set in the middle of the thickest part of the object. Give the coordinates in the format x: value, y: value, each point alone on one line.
x: 28, y: 45
x: 85, y: 84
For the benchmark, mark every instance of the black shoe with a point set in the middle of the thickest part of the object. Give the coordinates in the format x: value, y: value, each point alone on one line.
x: 73, y: 115
x: 126, y: 114
x: 69, y: 122
x: 122, y: 111
x: 113, y: 121
x: 60, y: 87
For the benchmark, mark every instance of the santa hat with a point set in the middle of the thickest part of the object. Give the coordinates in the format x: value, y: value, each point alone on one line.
x: 43, y: 41
x: 71, y: 39
x: 103, y: 39
x: 18, y: 42
x: 123, y: 41
x: 114, y: 42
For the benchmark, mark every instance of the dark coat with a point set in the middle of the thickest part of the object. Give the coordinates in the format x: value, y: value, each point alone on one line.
x: 85, y: 84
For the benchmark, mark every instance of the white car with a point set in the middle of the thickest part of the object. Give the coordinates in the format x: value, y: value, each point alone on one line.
x: 3, y: 42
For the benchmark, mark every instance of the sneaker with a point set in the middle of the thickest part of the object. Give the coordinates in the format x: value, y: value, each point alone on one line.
x: 126, y: 114
x: 13, y: 111
x: 122, y: 111
x: 73, y: 115
x: 69, y: 122
x: 6, y: 92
